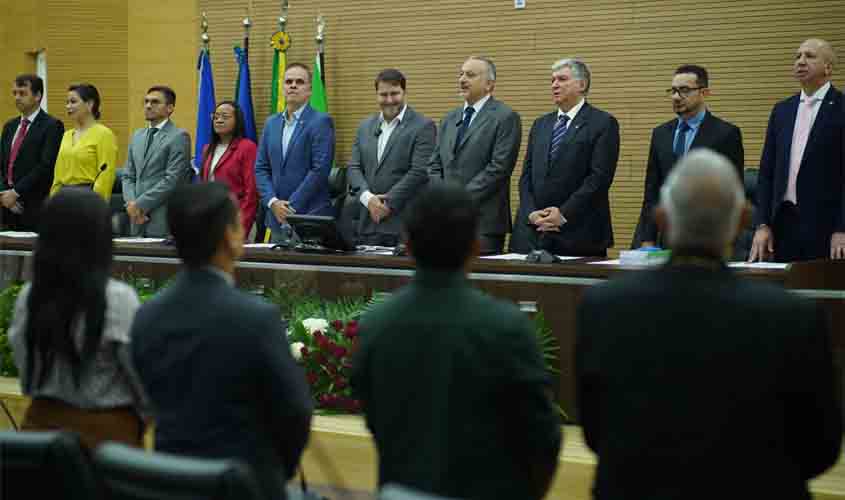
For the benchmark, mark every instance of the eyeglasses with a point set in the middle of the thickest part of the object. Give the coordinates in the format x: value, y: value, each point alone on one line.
x: 682, y: 91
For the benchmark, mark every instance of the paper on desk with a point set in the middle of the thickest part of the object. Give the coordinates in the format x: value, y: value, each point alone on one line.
x: 18, y: 234
x: 759, y: 265
x: 259, y: 245
x: 375, y: 250
x: 520, y: 256
x: 611, y: 262
x: 130, y: 239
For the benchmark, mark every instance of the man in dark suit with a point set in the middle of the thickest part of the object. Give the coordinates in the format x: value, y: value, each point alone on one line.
x: 460, y: 406
x: 157, y: 162
x: 569, y: 166
x: 214, y: 360
x: 741, y: 405
x: 477, y: 145
x: 28, y: 149
x: 695, y: 127
x: 295, y: 157
x: 389, y: 162
x: 802, y: 217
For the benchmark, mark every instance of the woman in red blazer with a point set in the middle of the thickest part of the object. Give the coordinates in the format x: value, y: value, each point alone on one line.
x: 230, y: 158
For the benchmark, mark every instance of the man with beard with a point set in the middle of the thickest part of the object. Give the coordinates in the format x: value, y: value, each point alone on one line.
x: 388, y: 163
x: 695, y: 127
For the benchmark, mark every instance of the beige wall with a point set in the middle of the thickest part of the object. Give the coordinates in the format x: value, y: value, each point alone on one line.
x: 19, y: 38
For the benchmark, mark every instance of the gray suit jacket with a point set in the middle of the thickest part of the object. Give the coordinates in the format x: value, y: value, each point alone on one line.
x: 401, y: 172
x: 483, y: 162
x: 148, y: 182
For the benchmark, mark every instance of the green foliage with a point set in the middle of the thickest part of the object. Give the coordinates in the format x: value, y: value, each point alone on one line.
x: 7, y: 309
x: 547, y: 342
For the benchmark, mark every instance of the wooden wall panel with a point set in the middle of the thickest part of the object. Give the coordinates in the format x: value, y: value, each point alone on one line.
x: 87, y: 42
x: 632, y: 46
x: 19, y: 38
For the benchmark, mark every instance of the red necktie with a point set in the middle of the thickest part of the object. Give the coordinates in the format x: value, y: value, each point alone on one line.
x: 16, y: 147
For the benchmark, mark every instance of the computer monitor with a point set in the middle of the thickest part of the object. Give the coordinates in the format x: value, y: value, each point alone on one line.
x: 319, y: 233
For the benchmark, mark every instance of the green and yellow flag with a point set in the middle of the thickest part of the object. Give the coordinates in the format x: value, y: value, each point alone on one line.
x: 280, y: 42
x: 318, y: 99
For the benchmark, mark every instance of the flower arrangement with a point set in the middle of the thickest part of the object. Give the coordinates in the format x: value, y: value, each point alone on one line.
x: 324, y: 349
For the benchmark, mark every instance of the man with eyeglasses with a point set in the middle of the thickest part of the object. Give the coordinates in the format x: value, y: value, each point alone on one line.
x: 158, y: 161
x: 695, y: 127
x: 295, y: 157
x: 801, y: 187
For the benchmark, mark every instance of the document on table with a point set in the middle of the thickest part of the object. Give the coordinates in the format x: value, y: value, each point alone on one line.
x: 260, y: 245
x: 130, y: 239
x: 375, y: 250
x: 18, y: 234
x: 521, y: 256
x: 611, y: 262
x: 759, y: 265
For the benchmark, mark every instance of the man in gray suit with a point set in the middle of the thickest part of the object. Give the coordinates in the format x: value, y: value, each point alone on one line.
x: 389, y: 162
x: 158, y: 161
x: 477, y: 146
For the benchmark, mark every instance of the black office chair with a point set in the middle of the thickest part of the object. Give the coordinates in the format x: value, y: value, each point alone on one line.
x: 742, y: 245
x: 45, y: 465
x: 337, y: 187
x: 119, y: 217
x: 132, y: 474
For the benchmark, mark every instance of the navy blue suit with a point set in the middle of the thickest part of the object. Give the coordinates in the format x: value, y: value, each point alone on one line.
x: 302, y: 175
x: 821, y: 178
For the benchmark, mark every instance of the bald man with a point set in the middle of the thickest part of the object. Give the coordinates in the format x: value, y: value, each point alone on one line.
x: 801, y: 186
x: 741, y: 405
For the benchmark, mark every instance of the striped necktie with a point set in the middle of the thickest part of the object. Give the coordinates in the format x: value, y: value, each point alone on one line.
x: 557, y: 135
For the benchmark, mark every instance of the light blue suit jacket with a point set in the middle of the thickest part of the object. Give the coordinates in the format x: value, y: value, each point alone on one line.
x: 300, y: 176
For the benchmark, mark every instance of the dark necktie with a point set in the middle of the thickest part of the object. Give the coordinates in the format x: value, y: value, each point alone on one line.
x: 681, y: 141
x: 151, y: 133
x: 557, y: 136
x: 16, y: 148
x: 464, y: 125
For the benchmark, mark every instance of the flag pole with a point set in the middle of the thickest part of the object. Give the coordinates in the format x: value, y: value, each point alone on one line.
x: 321, y: 39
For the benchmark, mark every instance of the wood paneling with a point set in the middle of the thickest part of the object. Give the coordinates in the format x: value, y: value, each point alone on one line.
x: 632, y: 46
x: 19, y: 38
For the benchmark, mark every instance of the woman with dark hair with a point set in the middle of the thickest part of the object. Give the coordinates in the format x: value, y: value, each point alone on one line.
x: 230, y: 158
x: 70, y: 330
x: 88, y: 153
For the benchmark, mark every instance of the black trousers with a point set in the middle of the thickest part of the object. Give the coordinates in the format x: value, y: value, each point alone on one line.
x: 791, y: 242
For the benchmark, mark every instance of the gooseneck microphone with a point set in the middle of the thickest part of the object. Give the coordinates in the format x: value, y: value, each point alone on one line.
x: 103, y: 168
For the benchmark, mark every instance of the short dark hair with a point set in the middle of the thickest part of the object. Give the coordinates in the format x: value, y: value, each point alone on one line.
x: 88, y: 93
x: 700, y: 73
x: 303, y: 66
x: 167, y: 92
x: 198, y: 215
x: 441, y: 226
x: 392, y: 76
x: 34, y: 82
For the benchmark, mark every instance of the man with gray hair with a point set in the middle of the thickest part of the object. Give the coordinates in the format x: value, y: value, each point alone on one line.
x: 477, y: 146
x: 802, y: 217
x: 695, y: 383
x: 564, y: 206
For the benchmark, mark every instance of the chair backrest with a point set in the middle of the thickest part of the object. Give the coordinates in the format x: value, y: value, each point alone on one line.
x: 750, y: 184
x: 132, y: 474
x: 45, y: 465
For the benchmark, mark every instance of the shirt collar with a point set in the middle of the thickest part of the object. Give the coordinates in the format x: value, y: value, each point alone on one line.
x: 31, y: 117
x: 220, y: 273
x: 818, y: 95
x: 296, y: 114
x: 695, y: 121
x: 162, y: 124
x: 397, y: 119
x: 573, y: 111
x: 478, y: 104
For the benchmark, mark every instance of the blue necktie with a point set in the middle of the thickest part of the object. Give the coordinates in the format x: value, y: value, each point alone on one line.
x: 557, y: 135
x: 681, y: 141
x: 464, y: 125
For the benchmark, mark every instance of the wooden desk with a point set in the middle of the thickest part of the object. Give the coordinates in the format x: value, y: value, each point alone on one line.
x: 554, y: 289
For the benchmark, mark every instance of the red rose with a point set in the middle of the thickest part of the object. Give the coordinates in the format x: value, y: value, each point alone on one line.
x: 320, y: 358
x: 339, y: 384
x: 351, y: 330
x: 304, y: 351
x: 339, y: 352
x: 312, y: 378
x: 318, y: 336
x: 337, y: 324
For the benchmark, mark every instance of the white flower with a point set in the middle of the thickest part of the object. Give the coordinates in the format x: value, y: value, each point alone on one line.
x: 315, y: 325
x: 296, y: 350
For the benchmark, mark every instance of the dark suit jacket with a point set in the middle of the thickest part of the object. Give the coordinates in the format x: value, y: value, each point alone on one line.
x: 236, y: 169
x: 218, y: 371
x: 483, y: 162
x: 302, y: 175
x: 714, y: 133
x: 33, y: 169
x: 681, y: 402
x: 458, y: 407
x: 400, y: 174
x: 821, y: 179
x: 578, y: 184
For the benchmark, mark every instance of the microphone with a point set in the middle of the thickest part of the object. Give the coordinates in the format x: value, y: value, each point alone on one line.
x: 103, y: 168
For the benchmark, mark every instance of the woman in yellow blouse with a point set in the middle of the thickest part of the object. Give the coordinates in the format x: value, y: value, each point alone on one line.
x: 88, y: 154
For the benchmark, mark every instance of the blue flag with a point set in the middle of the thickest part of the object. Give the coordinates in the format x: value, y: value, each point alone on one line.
x: 205, y: 107
x: 243, y: 94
